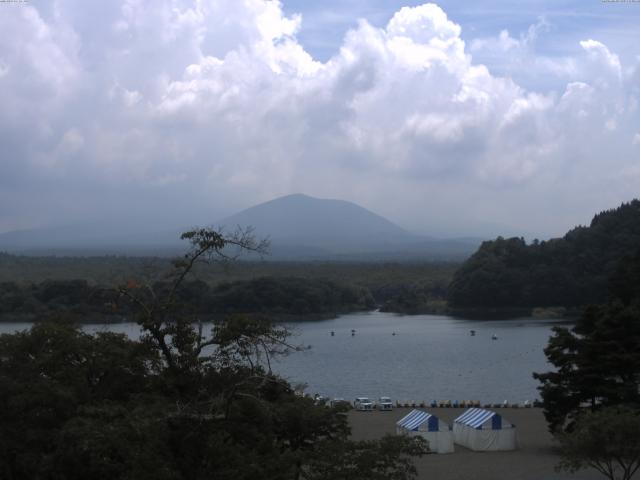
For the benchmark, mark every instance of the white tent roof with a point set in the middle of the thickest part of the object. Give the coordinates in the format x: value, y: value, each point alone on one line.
x: 476, y: 417
x: 416, y: 418
x: 423, y: 424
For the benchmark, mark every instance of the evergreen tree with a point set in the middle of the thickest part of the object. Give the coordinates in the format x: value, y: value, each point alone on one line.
x: 597, y: 362
x: 571, y: 271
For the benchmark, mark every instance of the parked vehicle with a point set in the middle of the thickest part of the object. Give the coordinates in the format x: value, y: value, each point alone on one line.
x: 363, y: 404
x: 385, y: 404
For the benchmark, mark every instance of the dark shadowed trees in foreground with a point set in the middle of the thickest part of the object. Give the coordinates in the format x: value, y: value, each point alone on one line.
x: 592, y: 399
x: 597, y: 362
x: 607, y: 440
x: 181, y: 403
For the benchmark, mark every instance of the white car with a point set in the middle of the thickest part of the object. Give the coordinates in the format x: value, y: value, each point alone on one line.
x: 385, y: 404
x: 363, y: 404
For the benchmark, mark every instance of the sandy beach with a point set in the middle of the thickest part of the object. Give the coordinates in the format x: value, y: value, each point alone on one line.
x: 533, y: 460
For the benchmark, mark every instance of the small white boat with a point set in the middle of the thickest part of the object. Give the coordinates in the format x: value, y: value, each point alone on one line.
x: 494, y: 337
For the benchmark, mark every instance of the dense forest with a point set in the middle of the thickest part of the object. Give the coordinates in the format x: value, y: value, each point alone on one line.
x: 571, y: 271
x: 268, y: 295
x: 40, y: 287
x: 113, y: 270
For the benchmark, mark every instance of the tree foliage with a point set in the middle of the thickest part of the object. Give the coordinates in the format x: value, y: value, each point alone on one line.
x: 607, y: 440
x: 597, y: 362
x: 181, y: 403
x: 286, y: 295
x: 571, y: 271
x: 275, y: 296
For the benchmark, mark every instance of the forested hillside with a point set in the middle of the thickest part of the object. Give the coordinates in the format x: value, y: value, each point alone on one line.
x: 284, y: 296
x: 570, y: 271
x: 35, y: 286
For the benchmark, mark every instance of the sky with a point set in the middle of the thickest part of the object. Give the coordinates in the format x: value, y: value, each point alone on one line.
x: 461, y: 118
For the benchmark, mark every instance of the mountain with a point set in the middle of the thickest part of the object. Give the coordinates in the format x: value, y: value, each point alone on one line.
x: 571, y: 271
x: 302, y: 220
x: 300, y: 227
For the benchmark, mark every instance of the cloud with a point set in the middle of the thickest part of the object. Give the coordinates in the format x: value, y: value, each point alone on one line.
x: 504, y: 42
x: 217, y: 103
x: 601, y: 55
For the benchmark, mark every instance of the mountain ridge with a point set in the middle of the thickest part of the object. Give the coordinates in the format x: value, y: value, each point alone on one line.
x: 314, y: 221
x: 299, y: 226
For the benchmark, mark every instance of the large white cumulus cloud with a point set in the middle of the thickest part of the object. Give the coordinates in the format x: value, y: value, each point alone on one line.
x: 209, y: 102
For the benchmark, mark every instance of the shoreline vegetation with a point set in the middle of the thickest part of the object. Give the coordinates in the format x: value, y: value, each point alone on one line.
x: 573, y: 271
x: 97, y: 319
x: 282, y: 299
x: 283, y: 291
x: 45, y: 287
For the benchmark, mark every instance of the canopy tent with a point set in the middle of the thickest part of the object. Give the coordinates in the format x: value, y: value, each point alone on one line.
x: 484, y: 430
x: 428, y: 426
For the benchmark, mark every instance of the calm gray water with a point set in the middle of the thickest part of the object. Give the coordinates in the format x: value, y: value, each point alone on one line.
x: 430, y: 357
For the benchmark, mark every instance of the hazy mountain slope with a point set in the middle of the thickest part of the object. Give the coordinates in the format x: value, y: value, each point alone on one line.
x: 91, y: 238
x: 303, y: 220
x: 300, y: 228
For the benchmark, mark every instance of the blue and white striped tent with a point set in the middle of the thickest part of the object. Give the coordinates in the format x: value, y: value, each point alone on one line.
x: 484, y: 430
x: 428, y: 426
x: 477, y: 417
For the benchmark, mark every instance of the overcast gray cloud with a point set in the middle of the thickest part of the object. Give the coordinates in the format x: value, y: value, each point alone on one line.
x: 182, y: 111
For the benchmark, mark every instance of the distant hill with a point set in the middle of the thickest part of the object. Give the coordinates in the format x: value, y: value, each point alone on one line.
x: 571, y: 271
x: 300, y: 227
x: 302, y: 220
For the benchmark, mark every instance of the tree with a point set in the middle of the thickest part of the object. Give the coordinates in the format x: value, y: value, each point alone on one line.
x: 607, y: 440
x: 179, y: 404
x: 571, y: 271
x: 55, y: 376
x: 597, y: 362
x: 166, y: 323
x: 387, y: 459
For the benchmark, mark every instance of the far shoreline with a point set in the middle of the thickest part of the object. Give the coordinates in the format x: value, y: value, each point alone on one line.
x: 473, y: 314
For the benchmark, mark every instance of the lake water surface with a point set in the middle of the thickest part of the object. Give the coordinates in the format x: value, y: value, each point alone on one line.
x: 429, y: 357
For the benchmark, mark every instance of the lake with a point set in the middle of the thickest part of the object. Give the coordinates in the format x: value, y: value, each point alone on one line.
x: 430, y: 357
